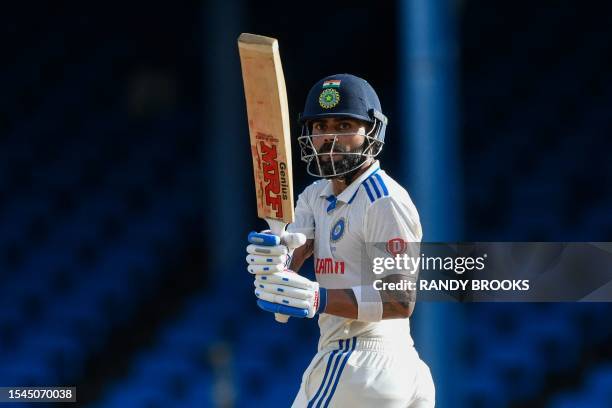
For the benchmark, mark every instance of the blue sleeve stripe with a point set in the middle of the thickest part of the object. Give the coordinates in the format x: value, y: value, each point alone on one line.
x: 378, y: 195
x: 369, y: 192
x: 348, y: 355
x: 382, y: 184
x: 333, y: 373
x: 329, y: 363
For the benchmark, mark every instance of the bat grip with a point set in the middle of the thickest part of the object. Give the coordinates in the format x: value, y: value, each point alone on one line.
x: 278, y: 227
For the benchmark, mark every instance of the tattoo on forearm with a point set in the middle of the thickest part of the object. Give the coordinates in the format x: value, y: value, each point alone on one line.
x: 397, y: 303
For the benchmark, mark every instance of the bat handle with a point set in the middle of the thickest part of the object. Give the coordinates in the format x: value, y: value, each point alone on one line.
x: 278, y: 227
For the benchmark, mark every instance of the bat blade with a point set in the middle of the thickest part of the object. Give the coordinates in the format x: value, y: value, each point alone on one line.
x: 269, y: 130
x: 268, y: 113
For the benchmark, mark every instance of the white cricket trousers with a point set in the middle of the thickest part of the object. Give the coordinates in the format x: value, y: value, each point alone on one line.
x: 366, y: 372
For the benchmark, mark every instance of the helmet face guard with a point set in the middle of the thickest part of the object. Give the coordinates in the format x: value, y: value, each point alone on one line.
x: 341, y: 96
x: 321, y: 163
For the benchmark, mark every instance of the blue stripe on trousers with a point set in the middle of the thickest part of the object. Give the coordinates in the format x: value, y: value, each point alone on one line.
x: 348, y: 355
x: 333, y: 374
x: 329, y: 363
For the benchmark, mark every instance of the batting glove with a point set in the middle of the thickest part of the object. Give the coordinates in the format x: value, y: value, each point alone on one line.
x: 290, y: 294
x: 269, y: 253
x: 278, y: 289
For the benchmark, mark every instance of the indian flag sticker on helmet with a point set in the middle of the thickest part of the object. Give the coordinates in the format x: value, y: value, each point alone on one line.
x: 329, y: 98
x: 332, y: 83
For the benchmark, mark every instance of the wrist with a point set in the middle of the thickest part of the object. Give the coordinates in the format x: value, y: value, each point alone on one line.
x: 321, y: 301
x: 369, y: 304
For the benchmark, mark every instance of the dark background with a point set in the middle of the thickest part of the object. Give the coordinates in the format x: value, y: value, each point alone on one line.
x: 126, y: 193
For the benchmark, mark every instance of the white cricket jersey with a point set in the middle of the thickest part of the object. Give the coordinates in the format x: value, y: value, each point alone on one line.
x: 373, y: 208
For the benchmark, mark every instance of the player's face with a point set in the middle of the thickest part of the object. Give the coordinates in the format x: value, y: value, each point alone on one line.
x: 349, y: 135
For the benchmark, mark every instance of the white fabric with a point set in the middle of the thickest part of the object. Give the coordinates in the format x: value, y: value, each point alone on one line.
x: 376, y: 374
x: 388, y: 217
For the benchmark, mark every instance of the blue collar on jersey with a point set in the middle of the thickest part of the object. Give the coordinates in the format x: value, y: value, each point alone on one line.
x: 349, y: 193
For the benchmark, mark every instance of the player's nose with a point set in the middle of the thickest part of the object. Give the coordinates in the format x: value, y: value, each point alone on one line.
x: 322, y: 140
x: 327, y: 138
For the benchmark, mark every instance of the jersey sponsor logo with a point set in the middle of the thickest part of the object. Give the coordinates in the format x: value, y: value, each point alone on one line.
x: 337, y: 230
x: 396, y: 246
x: 271, y: 175
x: 329, y: 266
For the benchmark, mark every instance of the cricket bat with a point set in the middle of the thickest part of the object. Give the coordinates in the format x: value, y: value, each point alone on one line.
x: 269, y: 131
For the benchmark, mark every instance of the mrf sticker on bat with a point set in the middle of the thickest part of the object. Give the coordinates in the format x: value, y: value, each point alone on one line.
x: 274, y: 180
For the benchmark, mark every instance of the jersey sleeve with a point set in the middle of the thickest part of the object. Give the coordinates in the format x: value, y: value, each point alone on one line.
x: 304, y: 217
x: 392, y: 227
x: 389, y: 218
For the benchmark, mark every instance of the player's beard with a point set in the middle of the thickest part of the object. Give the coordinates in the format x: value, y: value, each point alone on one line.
x: 347, y: 163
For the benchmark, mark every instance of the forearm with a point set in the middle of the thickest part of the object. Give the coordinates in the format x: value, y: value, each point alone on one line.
x: 342, y: 302
x: 396, y: 304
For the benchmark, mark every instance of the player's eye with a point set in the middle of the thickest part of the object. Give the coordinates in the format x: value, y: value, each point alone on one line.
x: 345, y: 126
x: 318, y: 126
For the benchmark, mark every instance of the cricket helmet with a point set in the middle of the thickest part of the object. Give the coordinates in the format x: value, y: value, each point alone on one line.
x: 337, y: 96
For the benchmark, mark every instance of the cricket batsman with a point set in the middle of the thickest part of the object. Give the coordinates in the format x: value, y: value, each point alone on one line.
x: 366, y: 356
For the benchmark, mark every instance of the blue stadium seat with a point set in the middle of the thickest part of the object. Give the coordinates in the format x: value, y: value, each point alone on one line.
x: 549, y: 334
x: 576, y: 400
x: 599, y: 382
x: 28, y: 367
x: 123, y: 396
x: 519, y: 368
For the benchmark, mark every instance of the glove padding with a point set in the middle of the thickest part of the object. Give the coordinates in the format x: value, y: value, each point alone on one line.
x: 290, y: 294
x: 269, y: 253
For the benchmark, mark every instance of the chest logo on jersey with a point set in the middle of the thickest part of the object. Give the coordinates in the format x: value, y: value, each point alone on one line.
x: 329, y: 265
x: 337, y: 230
